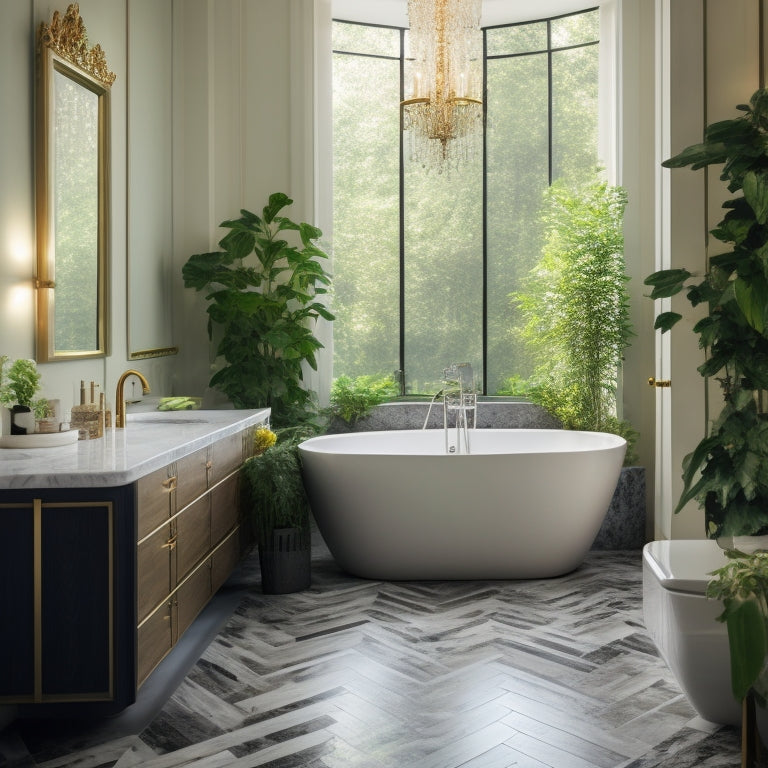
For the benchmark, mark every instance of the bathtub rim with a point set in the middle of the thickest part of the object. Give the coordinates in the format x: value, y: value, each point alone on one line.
x: 601, y: 441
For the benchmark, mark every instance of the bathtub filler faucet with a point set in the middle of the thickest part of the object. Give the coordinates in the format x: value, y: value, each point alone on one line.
x: 120, y: 396
x: 459, y: 407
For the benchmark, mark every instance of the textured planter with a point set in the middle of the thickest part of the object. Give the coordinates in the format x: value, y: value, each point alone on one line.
x: 285, y: 562
x: 22, y: 420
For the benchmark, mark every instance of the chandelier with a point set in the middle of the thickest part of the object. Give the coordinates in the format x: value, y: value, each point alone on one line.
x: 444, y: 115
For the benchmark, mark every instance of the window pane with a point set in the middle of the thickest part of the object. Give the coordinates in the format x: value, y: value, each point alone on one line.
x: 518, y: 173
x: 522, y: 38
x: 574, y: 112
x: 366, y: 215
x: 576, y: 30
x: 443, y: 273
x: 359, y: 38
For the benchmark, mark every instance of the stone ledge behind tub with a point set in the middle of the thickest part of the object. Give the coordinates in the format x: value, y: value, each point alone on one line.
x: 624, y: 524
x: 507, y: 415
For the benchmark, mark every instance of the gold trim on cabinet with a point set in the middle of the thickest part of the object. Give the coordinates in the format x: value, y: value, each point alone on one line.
x: 174, y: 517
x: 37, y: 510
x: 171, y: 596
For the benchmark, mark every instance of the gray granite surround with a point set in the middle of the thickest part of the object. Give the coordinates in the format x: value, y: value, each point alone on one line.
x: 122, y: 455
x: 490, y: 414
x: 624, y: 524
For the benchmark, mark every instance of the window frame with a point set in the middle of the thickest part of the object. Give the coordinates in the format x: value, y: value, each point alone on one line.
x: 550, y: 51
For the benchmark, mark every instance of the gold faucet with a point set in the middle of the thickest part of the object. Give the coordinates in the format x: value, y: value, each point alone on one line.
x: 120, y: 397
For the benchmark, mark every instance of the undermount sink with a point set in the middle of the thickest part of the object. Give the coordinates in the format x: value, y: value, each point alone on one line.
x: 165, y: 417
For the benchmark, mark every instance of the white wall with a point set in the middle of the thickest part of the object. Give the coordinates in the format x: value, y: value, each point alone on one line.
x: 105, y: 22
x: 710, y: 64
x: 243, y: 129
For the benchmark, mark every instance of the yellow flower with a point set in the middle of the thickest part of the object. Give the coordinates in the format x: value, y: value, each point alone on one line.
x: 263, y: 438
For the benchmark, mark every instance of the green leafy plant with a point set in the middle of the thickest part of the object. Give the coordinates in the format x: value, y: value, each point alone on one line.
x: 742, y: 586
x: 727, y: 472
x: 264, y: 309
x: 514, y: 386
x: 275, y: 490
x: 19, y: 383
x: 352, y: 399
x: 576, y: 308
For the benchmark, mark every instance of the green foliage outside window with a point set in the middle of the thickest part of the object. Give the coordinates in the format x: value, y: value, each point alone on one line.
x: 445, y: 226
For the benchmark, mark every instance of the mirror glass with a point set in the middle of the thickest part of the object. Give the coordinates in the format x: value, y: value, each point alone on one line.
x: 72, y: 188
x: 150, y: 180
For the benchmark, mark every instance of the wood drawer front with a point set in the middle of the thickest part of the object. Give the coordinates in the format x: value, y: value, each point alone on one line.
x: 224, y: 559
x: 193, y: 594
x: 154, y: 570
x: 193, y: 535
x: 155, y: 499
x: 227, y: 456
x: 155, y: 639
x: 192, y: 472
x: 225, y: 508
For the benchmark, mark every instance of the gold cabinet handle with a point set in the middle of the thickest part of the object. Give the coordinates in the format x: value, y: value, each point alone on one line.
x: 659, y: 382
x: 170, y: 484
x: 170, y: 544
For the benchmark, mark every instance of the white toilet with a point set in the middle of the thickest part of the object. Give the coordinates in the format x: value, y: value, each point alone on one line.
x: 682, y: 623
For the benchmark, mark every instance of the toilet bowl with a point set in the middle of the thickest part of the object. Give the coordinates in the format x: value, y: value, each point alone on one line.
x: 683, y: 623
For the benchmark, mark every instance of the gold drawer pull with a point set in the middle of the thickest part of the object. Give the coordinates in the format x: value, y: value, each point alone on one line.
x: 170, y: 484
x: 170, y: 544
x: 208, y: 464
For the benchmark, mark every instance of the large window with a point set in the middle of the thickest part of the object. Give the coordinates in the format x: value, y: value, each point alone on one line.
x: 425, y: 262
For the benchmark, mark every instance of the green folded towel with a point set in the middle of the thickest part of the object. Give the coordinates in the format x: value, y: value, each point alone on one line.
x: 179, y: 403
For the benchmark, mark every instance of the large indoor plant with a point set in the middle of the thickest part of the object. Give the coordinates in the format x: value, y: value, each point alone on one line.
x: 727, y: 472
x: 742, y: 587
x: 278, y: 509
x: 262, y: 309
x: 576, y: 308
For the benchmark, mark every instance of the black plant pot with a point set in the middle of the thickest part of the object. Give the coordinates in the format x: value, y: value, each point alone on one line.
x: 285, y: 562
x: 17, y: 429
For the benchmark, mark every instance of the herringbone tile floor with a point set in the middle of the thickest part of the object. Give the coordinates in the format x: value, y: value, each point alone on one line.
x: 364, y: 674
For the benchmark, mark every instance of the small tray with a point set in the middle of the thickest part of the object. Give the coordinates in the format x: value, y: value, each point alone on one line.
x: 39, y: 439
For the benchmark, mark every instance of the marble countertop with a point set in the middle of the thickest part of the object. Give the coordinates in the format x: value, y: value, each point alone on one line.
x: 151, y: 440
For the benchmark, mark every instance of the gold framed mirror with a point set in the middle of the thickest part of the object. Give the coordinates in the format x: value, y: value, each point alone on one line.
x: 72, y: 191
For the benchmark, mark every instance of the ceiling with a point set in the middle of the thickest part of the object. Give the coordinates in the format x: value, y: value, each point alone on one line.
x: 395, y: 12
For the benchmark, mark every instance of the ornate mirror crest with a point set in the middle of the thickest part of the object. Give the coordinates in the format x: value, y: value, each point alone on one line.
x: 66, y: 35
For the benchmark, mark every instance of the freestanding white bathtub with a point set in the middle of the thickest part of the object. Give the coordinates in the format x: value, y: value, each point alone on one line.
x: 526, y: 503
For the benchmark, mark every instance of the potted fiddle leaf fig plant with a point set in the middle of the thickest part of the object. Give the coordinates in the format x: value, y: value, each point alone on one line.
x: 727, y: 472
x: 19, y: 383
x: 264, y: 301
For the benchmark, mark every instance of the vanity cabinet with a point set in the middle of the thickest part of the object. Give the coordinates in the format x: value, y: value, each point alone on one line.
x: 188, y: 541
x: 98, y: 584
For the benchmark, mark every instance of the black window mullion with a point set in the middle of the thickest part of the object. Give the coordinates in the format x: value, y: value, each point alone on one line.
x: 549, y: 100
x: 402, y: 220
x: 485, y: 216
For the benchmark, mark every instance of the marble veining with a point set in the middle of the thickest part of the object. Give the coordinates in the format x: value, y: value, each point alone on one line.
x: 122, y: 455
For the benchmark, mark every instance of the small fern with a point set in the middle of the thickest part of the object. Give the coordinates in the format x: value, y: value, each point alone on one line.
x: 275, y: 491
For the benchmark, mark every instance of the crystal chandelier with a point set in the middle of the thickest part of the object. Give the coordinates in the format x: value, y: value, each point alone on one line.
x: 444, y: 115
